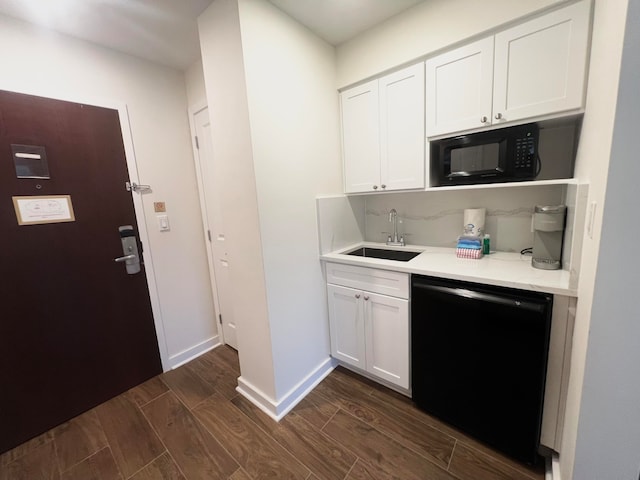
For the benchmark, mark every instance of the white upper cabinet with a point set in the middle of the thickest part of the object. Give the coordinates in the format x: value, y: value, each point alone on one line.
x: 401, y: 125
x: 361, y: 137
x: 383, y: 133
x: 460, y: 88
x: 540, y: 66
x: 535, y: 69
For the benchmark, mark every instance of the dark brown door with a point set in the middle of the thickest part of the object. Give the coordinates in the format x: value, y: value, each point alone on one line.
x: 75, y: 328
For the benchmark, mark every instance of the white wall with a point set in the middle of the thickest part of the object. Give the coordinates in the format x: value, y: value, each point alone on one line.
x: 48, y: 64
x: 592, y: 165
x: 274, y: 107
x: 222, y: 59
x: 194, y: 81
x: 340, y: 221
x: 608, y: 437
x: 422, y: 30
x: 293, y: 109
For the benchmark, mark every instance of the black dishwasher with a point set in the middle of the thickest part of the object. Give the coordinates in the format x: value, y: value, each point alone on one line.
x: 479, y: 360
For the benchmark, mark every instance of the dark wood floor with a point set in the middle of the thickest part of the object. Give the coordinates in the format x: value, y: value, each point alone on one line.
x: 191, y: 424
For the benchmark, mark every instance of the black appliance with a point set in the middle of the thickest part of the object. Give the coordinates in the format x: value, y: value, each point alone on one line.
x: 502, y: 155
x: 479, y: 360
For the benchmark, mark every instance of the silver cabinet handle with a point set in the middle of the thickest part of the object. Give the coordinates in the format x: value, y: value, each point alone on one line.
x: 483, y: 119
x: 375, y: 187
x: 125, y: 258
x: 383, y: 186
x: 366, y: 297
x: 357, y: 295
x: 498, y: 116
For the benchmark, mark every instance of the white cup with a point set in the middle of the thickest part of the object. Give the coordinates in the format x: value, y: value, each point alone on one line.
x: 474, y: 221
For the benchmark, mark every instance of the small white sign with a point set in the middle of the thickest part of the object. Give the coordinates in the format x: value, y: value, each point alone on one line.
x: 35, y: 210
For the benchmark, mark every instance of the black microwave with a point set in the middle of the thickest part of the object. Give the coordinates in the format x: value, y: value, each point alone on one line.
x: 503, y: 155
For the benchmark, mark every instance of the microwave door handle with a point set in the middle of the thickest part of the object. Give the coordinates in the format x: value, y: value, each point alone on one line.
x: 459, y: 174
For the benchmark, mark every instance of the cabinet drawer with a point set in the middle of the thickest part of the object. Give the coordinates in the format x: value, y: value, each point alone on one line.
x: 385, y: 282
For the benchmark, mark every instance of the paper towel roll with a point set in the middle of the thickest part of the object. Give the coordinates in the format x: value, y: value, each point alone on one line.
x: 474, y: 221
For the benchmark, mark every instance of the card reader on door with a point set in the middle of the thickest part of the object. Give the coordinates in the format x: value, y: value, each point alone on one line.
x: 131, y: 258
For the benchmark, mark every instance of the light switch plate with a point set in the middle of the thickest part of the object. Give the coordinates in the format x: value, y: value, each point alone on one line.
x: 163, y: 223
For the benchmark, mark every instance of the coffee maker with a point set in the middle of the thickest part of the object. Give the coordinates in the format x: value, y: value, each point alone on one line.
x: 548, y: 230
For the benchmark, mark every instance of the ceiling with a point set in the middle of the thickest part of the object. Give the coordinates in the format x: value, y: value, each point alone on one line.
x: 339, y: 20
x: 165, y: 31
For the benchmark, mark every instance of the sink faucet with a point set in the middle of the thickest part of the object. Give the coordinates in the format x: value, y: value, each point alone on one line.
x: 394, y: 240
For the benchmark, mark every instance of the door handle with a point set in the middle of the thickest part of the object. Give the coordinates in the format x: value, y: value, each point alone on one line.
x: 131, y: 257
x: 125, y: 258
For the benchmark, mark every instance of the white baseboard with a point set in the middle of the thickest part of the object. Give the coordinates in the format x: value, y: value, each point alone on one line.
x: 555, y: 467
x: 190, y: 353
x: 278, y: 409
x: 552, y: 467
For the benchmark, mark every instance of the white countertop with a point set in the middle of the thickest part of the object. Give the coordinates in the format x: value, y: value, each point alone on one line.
x: 498, y: 268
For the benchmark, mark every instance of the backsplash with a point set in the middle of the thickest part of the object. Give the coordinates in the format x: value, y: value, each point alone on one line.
x: 435, y: 218
x: 340, y: 221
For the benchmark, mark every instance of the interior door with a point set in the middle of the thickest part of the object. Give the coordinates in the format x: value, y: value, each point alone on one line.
x: 76, y: 329
x: 214, y: 223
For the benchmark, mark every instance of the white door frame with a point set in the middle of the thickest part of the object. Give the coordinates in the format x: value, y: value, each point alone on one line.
x: 141, y: 219
x: 193, y: 110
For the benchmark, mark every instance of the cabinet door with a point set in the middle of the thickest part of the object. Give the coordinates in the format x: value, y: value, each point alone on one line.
x: 402, y: 137
x: 459, y: 86
x: 540, y: 65
x: 346, y: 321
x: 387, y: 337
x: 361, y: 138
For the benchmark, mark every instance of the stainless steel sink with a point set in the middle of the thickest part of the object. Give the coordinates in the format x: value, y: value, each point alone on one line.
x: 399, y: 255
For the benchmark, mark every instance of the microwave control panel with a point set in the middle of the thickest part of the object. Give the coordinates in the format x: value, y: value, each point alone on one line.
x: 525, y: 155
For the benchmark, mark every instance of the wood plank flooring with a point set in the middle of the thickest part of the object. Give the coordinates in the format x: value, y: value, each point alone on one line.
x: 190, y: 424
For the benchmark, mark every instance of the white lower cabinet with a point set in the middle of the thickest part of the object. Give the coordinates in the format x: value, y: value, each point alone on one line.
x: 370, y: 330
x: 386, y: 333
x: 346, y: 317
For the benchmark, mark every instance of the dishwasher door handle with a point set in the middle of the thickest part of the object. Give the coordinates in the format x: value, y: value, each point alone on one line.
x: 482, y: 296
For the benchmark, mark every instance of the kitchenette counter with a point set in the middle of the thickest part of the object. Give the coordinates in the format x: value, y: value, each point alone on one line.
x: 503, y: 269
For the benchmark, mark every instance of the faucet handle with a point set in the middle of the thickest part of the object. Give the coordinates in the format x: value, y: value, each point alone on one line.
x: 403, y: 238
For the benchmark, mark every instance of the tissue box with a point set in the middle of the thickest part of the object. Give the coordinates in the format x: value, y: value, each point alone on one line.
x: 469, y: 247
